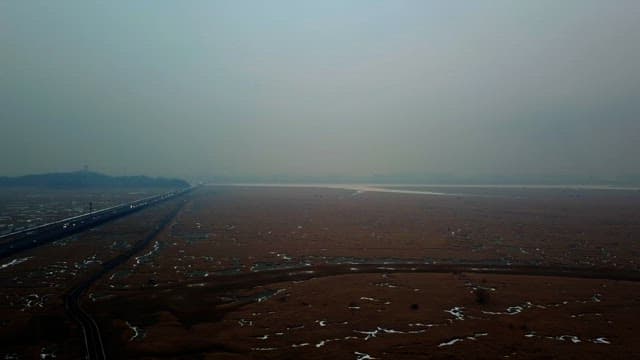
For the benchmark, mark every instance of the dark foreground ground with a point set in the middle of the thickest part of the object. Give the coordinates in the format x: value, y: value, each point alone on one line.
x: 327, y: 273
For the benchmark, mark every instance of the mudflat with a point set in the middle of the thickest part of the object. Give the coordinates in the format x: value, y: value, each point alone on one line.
x: 312, y: 272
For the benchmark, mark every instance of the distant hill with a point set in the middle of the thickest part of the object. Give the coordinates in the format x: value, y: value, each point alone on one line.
x: 87, y: 179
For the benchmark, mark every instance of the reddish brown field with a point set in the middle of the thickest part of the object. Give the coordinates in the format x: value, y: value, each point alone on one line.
x: 259, y: 272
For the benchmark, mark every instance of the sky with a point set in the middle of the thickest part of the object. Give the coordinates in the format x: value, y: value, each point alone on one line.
x: 255, y: 89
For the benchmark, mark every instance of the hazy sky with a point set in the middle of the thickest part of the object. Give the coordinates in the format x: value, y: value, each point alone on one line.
x: 331, y: 87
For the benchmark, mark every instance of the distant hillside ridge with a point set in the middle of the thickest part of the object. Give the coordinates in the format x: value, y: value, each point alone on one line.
x: 88, y: 179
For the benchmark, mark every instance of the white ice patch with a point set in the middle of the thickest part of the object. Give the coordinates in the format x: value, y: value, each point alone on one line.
x: 380, y: 330
x: 300, y: 345
x: 517, y: 309
x: 422, y: 325
x: 324, y: 342
x: 32, y: 301
x: 46, y: 353
x: 14, y: 262
x: 370, y: 334
x: 369, y: 299
x: 139, y: 259
x: 601, y: 340
x: 456, y: 312
x: 138, y: 333
x: 514, y: 310
x: 572, y: 338
x: 88, y: 261
x: 363, y: 356
x: 476, y: 336
x: 450, y: 342
x: 386, y: 284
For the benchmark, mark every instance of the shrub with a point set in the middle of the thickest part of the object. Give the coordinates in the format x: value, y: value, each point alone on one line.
x: 482, y: 295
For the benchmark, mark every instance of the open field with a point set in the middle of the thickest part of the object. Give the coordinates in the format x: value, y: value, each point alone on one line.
x: 266, y: 272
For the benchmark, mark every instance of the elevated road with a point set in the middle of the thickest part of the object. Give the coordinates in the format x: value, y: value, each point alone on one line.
x: 32, y: 237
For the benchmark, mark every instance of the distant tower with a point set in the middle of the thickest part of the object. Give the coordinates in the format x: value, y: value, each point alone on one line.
x: 85, y: 168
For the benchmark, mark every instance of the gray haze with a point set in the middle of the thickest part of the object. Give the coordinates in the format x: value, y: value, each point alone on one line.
x: 321, y: 88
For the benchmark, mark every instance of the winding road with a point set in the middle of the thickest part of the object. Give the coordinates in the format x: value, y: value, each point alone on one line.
x: 299, y: 273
